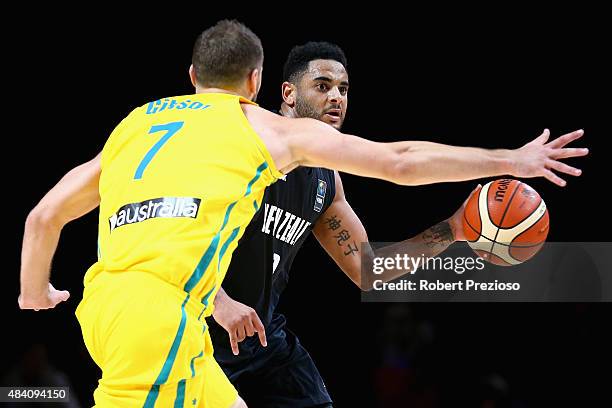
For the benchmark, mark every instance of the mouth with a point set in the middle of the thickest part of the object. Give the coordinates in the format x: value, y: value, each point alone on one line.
x: 334, y: 115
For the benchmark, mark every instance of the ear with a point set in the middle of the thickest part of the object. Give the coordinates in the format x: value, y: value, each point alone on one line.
x: 253, y: 83
x: 192, y: 75
x: 288, y: 90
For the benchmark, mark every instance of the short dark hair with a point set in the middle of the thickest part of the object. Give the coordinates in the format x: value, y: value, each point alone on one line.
x: 224, y: 54
x: 300, y: 55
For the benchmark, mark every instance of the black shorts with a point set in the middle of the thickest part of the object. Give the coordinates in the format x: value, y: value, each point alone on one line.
x: 277, y: 376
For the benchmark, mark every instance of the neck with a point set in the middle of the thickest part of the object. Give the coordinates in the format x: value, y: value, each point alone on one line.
x: 199, y: 89
x: 287, y: 111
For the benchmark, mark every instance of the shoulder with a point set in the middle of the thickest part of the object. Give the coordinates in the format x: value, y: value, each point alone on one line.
x: 260, y: 117
x: 256, y: 112
x: 329, y: 176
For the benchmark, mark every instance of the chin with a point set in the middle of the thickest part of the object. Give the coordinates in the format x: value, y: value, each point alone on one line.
x: 335, y: 125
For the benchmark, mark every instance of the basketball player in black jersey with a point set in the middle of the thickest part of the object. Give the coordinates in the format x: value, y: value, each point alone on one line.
x: 309, y: 199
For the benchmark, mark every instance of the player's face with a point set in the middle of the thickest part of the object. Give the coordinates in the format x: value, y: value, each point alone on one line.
x: 322, y: 92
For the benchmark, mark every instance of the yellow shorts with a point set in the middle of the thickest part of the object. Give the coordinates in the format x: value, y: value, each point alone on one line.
x: 151, y: 342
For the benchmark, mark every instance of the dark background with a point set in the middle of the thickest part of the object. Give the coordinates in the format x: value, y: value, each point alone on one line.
x: 490, y: 78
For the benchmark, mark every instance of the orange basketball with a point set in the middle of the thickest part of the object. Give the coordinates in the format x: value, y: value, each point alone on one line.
x: 506, y: 222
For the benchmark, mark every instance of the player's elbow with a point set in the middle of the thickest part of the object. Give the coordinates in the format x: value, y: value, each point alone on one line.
x: 366, y: 283
x: 410, y: 164
x: 364, y: 287
x: 44, y: 218
x: 363, y: 279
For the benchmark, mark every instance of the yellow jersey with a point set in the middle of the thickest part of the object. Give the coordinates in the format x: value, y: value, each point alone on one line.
x: 181, y: 179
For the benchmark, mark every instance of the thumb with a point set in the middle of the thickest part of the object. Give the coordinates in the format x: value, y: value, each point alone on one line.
x: 60, y: 296
x: 478, y: 187
x: 543, y: 138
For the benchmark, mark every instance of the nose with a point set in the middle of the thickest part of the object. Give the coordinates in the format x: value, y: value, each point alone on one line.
x: 334, y: 95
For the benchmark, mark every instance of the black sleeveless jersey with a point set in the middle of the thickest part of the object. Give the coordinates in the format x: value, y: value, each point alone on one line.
x: 259, y: 269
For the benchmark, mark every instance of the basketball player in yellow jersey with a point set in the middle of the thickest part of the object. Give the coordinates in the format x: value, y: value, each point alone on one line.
x: 179, y: 179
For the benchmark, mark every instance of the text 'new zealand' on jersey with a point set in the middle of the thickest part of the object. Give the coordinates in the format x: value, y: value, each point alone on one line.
x: 259, y: 269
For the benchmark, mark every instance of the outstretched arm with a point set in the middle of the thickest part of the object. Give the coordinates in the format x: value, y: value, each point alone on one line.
x: 340, y: 232
x: 73, y: 196
x: 313, y: 143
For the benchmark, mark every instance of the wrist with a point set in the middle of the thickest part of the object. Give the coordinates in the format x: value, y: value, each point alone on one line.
x: 219, y: 299
x: 506, y: 161
x: 34, y: 292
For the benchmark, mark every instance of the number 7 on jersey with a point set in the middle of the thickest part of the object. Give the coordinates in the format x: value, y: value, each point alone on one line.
x: 171, y: 129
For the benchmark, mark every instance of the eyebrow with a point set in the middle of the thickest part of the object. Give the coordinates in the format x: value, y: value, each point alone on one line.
x: 326, y: 79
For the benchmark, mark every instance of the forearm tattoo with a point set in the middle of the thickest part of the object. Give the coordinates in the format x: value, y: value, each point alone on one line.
x: 439, y: 235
